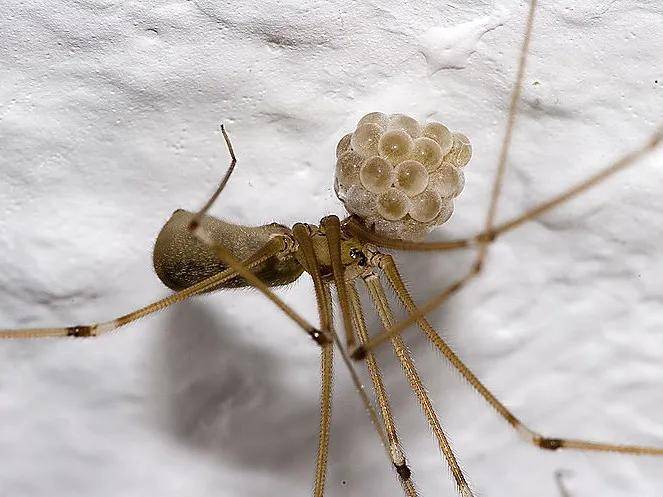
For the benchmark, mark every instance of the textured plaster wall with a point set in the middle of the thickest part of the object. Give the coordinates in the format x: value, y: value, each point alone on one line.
x: 108, y: 119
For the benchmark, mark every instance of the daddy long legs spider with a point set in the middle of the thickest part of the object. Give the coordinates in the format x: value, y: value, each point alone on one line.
x: 382, y: 262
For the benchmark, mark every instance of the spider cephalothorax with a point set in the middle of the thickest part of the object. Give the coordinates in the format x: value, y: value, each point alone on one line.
x: 400, y: 176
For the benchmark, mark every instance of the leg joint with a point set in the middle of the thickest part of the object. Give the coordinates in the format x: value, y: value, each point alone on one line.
x: 486, y: 237
x: 403, y: 471
x: 548, y: 443
x: 82, y: 331
x: 320, y: 337
x: 359, y: 353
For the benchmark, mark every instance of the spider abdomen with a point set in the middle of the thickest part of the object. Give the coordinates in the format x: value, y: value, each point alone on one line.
x: 181, y: 260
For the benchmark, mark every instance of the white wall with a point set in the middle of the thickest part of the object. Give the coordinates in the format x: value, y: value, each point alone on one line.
x: 108, y: 122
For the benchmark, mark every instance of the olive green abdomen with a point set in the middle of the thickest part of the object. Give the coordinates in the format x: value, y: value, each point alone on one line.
x: 181, y: 260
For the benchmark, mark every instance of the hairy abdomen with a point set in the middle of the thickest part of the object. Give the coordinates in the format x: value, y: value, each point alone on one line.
x: 181, y: 260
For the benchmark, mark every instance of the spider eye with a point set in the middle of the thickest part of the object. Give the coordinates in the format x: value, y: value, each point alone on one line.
x: 400, y: 176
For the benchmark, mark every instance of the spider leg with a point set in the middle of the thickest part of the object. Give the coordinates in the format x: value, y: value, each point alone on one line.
x: 618, y: 165
x: 386, y: 263
x: 273, y: 247
x: 386, y: 316
x: 224, y: 180
x: 491, y: 231
x: 396, y: 452
x: 231, y: 261
x: 332, y: 227
x: 394, y: 329
x: 326, y: 380
x: 356, y: 228
x: 227, y: 258
x: 353, y: 319
x: 511, y: 120
x: 323, y: 299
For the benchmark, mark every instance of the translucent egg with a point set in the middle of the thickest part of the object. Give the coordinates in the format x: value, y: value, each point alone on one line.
x: 374, y: 118
x: 376, y: 174
x: 446, y: 211
x: 395, y: 146
x: 448, y: 181
x: 412, y: 230
x: 365, y: 139
x: 441, y: 134
x: 348, y: 166
x: 461, y: 151
x: 360, y: 202
x: 428, y: 152
x: 404, y: 123
x: 343, y: 145
x: 393, y: 204
x: 411, y: 177
x: 387, y: 229
x: 426, y: 207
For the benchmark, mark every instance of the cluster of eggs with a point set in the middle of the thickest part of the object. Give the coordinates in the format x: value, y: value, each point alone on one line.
x: 399, y: 176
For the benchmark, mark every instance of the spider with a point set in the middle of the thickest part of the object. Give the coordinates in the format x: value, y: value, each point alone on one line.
x: 197, y: 253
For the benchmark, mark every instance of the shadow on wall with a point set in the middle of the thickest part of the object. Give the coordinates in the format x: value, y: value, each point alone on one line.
x: 227, y: 398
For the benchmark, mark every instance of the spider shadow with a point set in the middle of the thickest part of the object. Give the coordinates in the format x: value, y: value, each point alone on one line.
x: 225, y: 398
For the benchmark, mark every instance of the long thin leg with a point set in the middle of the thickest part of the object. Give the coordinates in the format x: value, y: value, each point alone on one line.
x: 511, y: 120
x: 353, y: 319
x: 618, y: 165
x: 323, y: 298
x: 332, y: 227
x: 397, y: 455
x: 326, y: 380
x: 382, y: 306
x: 491, y: 231
x: 233, y: 161
x: 355, y: 227
x: 487, y: 237
x: 386, y: 263
x: 227, y: 258
x: 395, y: 329
x: 273, y: 247
x: 231, y: 261
x: 501, y: 166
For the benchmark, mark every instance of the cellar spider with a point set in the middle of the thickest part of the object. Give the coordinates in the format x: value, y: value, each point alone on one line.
x: 340, y: 253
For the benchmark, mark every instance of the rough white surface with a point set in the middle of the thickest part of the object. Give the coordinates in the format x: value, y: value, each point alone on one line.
x: 108, y: 116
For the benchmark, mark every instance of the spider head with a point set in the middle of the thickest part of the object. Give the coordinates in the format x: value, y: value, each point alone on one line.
x: 400, y: 176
